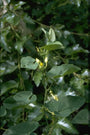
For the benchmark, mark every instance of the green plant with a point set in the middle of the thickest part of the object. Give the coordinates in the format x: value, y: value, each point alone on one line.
x: 43, y: 76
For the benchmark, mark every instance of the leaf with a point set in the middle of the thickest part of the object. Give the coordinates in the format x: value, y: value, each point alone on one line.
x: 21, y: 99
x: 53, y: 46
x: 24, y: 97
x: 37, y: 78
x: 10, y: 103
x: 67, y: 126
x: 28, y: 19
x: 46, y: 34
x: 78, y: 85
x: 44, y: 30
x: 56, y: 131
x: 7, y: 68
x: 82, y: 117
x: 64, y: 69
x: 3, y: 111
x: 36, y: 114
x: 8, y: 85
x: 3, y: 39
x: 18, y: 5
x: 29, y: 63
x: 4, y: 43
x: 19, y: 45
x: 12, y: 19
x: 75, y: 50
x: 52, y: 37
x: 70, y: 104
x: 23, y: 128
x: 65, y: 105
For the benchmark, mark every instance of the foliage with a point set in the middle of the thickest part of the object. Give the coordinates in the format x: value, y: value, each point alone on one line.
x: 44, y: 76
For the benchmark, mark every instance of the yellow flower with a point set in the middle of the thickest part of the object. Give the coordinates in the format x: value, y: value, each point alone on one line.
x: 40, y: 63
x: 52, y: 113
x: 46, y: 59
x: 55, y: 97
x: 37, y: 49
x: 37, y: 60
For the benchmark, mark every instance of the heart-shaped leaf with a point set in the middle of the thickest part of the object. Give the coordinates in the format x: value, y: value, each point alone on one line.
x: 82, y: 117
x: 65, y: 105
x: 67, y: 126
x: 23, y: 128
x: 29, y: 63
x: 64, y: 69
x: 53, y: 46
x: 24, y: 97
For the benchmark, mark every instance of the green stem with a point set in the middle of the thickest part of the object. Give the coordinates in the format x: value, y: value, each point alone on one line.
x: 52, y: 126
x: 45, y: 95
x: 73, y: 33
x: 22, y: 86
x: 15, y: 32
x: 3, y: 128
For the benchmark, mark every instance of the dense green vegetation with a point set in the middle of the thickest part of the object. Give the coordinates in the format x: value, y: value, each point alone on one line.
x: 44, y: 68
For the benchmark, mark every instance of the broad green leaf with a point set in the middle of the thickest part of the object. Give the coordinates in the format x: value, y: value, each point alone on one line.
x: 33, y: 98
x: 21, y: 99
x: 82, y: 117
x: 64, y: 69
x: 10, y: 103
x: 29, y: 63
x: 69, y: 105
x: 12, y: 19
x: 37, y: 78
x: 53, y: 46
x: 52, y: 37
x: 7, y: 86
x: 36, y: 113
x: 23, y: 128
x: 19, y: 45
x: 67, y: 126
x: 7, y: 68
x: 24, y: 97
x: 56, y: 131
x: 3, y: 111
x: 65, y: 105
